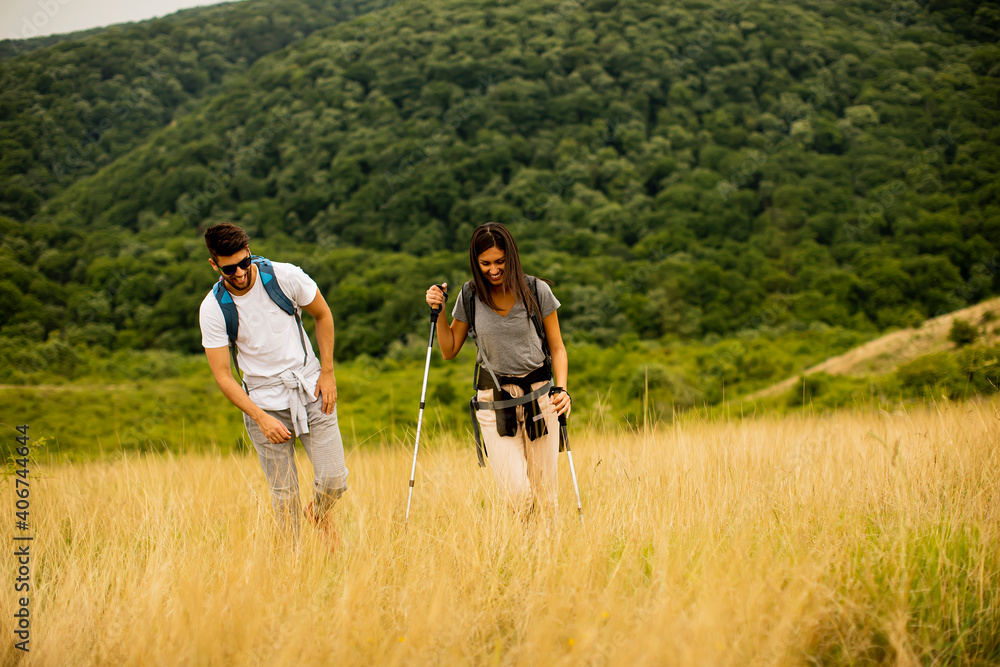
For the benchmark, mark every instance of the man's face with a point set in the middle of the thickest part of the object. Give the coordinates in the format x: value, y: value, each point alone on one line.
x: 239, y: 278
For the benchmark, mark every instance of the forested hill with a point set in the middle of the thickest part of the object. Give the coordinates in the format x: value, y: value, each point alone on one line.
x: 70, y: 108
x: 679, y: 169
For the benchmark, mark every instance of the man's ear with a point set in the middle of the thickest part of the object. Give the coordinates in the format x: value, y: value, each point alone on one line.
x: 213, y: 265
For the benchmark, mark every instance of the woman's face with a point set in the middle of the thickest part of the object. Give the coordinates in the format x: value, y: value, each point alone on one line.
x: 492, y: 263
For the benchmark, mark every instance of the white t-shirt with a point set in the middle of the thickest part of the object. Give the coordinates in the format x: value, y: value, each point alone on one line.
x: 268, y: 342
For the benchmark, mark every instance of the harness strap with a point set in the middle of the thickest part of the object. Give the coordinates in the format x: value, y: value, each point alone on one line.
x: 512, y: 402
x: 236, y: 365
x: 496, y: 382
x: 480, y: 448
x: 302, y: 337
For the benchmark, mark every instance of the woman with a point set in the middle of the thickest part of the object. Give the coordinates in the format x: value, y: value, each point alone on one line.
x: 522, y: 441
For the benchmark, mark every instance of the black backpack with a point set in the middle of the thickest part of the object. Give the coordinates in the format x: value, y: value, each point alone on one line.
x: 469, y: 303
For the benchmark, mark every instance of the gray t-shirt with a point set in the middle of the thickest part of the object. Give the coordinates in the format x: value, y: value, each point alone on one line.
x: 510, y: 341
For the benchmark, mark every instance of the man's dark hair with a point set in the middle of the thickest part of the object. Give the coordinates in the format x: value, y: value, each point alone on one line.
x: 225, y: 239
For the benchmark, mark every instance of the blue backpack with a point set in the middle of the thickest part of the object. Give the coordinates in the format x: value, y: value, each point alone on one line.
x: 266, y: 271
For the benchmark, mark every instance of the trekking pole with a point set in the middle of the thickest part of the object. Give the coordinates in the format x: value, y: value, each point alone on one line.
x: 572, y: 469
x: 423, y: 396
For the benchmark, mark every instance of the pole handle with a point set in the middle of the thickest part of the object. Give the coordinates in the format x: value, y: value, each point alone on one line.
x: 436, y: 310
x: 564, y: 435
x: 560, y: 390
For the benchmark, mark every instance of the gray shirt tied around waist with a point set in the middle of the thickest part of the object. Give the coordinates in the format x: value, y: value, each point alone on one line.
x: 509, y: 341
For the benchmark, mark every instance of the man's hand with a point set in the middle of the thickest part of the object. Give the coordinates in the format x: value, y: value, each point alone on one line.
x: 218, y: 360
x: 327, y: 387
x: 273, y: 429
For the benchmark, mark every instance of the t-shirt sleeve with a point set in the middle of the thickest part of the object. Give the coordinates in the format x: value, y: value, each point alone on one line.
x: 295, y: 283
x: 458, y: 312
x: 213, y: 324
x: 547, y: 300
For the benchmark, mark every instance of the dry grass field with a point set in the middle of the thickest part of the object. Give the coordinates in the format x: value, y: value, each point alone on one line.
x: 853, y: 538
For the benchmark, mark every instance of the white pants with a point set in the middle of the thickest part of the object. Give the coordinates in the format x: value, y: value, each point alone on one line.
x: 524, y: 469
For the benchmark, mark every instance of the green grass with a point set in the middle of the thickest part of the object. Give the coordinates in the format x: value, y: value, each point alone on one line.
x: 913, y: 569
x: 90, y: 404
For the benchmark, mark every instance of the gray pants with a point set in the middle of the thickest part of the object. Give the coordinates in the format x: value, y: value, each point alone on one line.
x: 325, y: 449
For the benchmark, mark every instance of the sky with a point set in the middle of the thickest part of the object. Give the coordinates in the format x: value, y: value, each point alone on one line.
x: 20, y: 19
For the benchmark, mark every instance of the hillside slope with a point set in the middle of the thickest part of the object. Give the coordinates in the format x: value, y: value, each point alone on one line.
x: 888, y: 352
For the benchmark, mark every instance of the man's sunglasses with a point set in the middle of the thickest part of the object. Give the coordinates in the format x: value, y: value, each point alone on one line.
x: 230, y: 269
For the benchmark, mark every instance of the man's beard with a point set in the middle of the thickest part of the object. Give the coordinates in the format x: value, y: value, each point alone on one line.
x: 238, y: 288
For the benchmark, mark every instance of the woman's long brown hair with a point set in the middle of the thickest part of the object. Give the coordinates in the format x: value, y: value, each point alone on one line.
x: 495, y: 235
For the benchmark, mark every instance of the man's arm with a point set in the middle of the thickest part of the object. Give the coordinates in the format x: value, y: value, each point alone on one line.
x: 218, y: 361
x: 327, y: 384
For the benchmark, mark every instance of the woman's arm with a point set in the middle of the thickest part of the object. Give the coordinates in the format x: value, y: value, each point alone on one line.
x: 452, y: 336
x: 560, y: 362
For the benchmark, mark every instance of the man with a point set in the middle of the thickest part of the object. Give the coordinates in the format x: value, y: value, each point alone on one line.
x: 287, y: 392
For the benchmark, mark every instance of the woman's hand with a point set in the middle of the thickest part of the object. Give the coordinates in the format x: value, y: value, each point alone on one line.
x: 435, y: 297
x: 561, y: 402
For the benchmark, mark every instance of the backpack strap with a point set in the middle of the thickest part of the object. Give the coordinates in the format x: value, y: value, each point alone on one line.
x: 273, y: 289
x: 469, y: 302
x: 536, y: 319
x: 271, y: 286
x: 232, y: 318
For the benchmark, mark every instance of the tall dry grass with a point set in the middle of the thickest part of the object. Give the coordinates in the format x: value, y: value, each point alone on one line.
x: 851, y: 538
